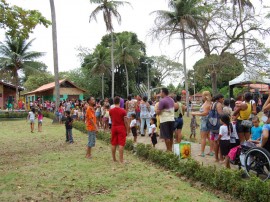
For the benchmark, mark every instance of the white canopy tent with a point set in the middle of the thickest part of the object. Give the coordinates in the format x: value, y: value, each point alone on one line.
x: 247, y: 78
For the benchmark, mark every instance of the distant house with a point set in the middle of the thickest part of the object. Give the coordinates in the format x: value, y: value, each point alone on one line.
x: 68, y: 91
x: 197, y: 97
x: 7, y: 94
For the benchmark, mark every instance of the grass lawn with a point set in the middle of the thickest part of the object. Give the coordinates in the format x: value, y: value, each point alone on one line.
x: 42, y: 167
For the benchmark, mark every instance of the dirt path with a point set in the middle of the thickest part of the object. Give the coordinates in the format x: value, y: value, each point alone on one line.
x: 195, y: 151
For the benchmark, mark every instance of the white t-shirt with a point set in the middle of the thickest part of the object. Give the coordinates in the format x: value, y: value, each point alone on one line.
x: 152, y: 110
x: 153, y: 126
x: 223, y: 132
x: 234, y: 132
x: 133, y: 123
x: 31, y: 115
x: 75, y: 112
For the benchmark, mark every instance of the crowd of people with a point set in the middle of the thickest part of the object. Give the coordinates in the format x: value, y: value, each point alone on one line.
x: 162, y: 120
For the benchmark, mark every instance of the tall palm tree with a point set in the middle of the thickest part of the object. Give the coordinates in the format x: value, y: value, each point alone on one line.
x: 181, y: 16
x: 99, y: 64
x: 15, y: 56
x: 109, y: 10
x: 128, y: 53
x: 55, y: 55
x: 242, y: 5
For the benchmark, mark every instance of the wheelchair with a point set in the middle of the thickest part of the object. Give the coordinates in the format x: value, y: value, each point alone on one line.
x: 254, y: 160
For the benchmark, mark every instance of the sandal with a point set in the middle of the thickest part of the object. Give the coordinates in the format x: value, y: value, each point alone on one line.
x: 202, y: 155
x: 210, y: 154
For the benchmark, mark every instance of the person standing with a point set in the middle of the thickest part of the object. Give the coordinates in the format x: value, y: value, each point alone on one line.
x: 203, y: 113
x: 68, y: 124
x: 91, y: 125
x: 166, y: 114
x: 31, y: 117
x: 145, y: 115
x: 119, y: 129
x: 178, y: 116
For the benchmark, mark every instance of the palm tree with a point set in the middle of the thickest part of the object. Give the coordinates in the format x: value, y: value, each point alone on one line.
x: 109, y: 10
x: 182, y: 16
x: 15, y: 57
x: 242, y: 4
x: 99, y: 63
x: 55, y: 55
x: 127, y: 53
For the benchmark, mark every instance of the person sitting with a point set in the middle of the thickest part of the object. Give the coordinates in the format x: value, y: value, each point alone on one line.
x: 265, y: 140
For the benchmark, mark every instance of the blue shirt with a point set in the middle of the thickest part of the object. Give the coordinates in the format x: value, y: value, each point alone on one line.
x: 256, y: 133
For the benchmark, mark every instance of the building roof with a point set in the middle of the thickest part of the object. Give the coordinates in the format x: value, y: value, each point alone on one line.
x: 11, y: 85
x: 51, y: 86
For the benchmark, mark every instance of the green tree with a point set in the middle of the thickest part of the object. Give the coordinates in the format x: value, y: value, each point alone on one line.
x: 109, y: 10
x: 15, y: 56
x: 36, y: 80
x: 128, y: 53
x: 55, y: 54
x: 98, y: 63
x: 182, y: 16
x: 19, y: 22
x: 225, y: 66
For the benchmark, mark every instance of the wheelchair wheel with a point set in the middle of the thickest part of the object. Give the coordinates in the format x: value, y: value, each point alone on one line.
x: 257, y: 162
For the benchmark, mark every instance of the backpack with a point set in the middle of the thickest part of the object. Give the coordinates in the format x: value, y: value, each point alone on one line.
x: 213, y: 121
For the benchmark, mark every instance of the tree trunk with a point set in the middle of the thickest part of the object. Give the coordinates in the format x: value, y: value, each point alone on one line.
x: 112, y: 62
x: 214, y: 82
x: 17, y: 88
x: 102, y: 85
x: 242, y: 29
x: 127, y: 80
x: 55, y: 55
x: 185, y: 72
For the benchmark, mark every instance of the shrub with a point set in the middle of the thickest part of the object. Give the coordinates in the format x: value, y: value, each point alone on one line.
x: 13, y: 114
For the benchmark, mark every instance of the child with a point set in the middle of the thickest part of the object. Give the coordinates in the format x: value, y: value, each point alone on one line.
x: 234, y: 136
x: 68, y: 125
x: 106, y: 117
x: 40, y: 119
x: 133, y: 126
x: 31, y: 117
x: 152, y: 131
x: 256, y: 130
x: 193, y: 126
x: 224, y: 138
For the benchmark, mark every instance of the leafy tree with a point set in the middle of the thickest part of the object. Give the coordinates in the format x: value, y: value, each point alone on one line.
x: 55, y: 54
x: 183, y: 16
x: 19, y: 22
x: 226, y: 66
x: 36, y: 80
x: 15, y: 56
x: 165, y: 68
x: 109, y: 10
x: 98, y: 63
x: 128, y: 52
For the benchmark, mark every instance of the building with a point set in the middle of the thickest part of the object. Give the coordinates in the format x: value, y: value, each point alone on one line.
x: 68, y: 91
x: 7, y: 94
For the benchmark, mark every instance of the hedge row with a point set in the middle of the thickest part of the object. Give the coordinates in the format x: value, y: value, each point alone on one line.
x: 11, y: 114
x: 228, y: 181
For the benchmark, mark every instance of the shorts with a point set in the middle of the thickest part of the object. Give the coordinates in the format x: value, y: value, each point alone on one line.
x: 203, y: 126
x: 240, y: 128
x: 40, y: 122
x: 91, y: 139
x: 105, y: 119
x: 225, y: 147
x: 154, y: 138
x: 237, y: 143
x: 98, y: 114
x: 119, y: 135
x: 213, y: 136
x: 134, y: 131
x: 32, y: 121
x: 130, y: 113
x: 167, y: 129
x: 178, y: 124
x: 138, y: 115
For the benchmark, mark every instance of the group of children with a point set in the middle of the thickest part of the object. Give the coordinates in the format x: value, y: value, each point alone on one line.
x: 152, y: 130
x: 31, y: 118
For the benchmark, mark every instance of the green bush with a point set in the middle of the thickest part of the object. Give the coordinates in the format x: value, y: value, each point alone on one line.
x: 13, y: 114
x: 228, y: 181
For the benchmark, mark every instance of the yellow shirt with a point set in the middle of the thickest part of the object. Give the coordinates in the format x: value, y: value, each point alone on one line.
x: 244, y: 115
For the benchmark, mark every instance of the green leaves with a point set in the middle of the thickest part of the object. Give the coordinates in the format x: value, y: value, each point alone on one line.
x: 19, y: 22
